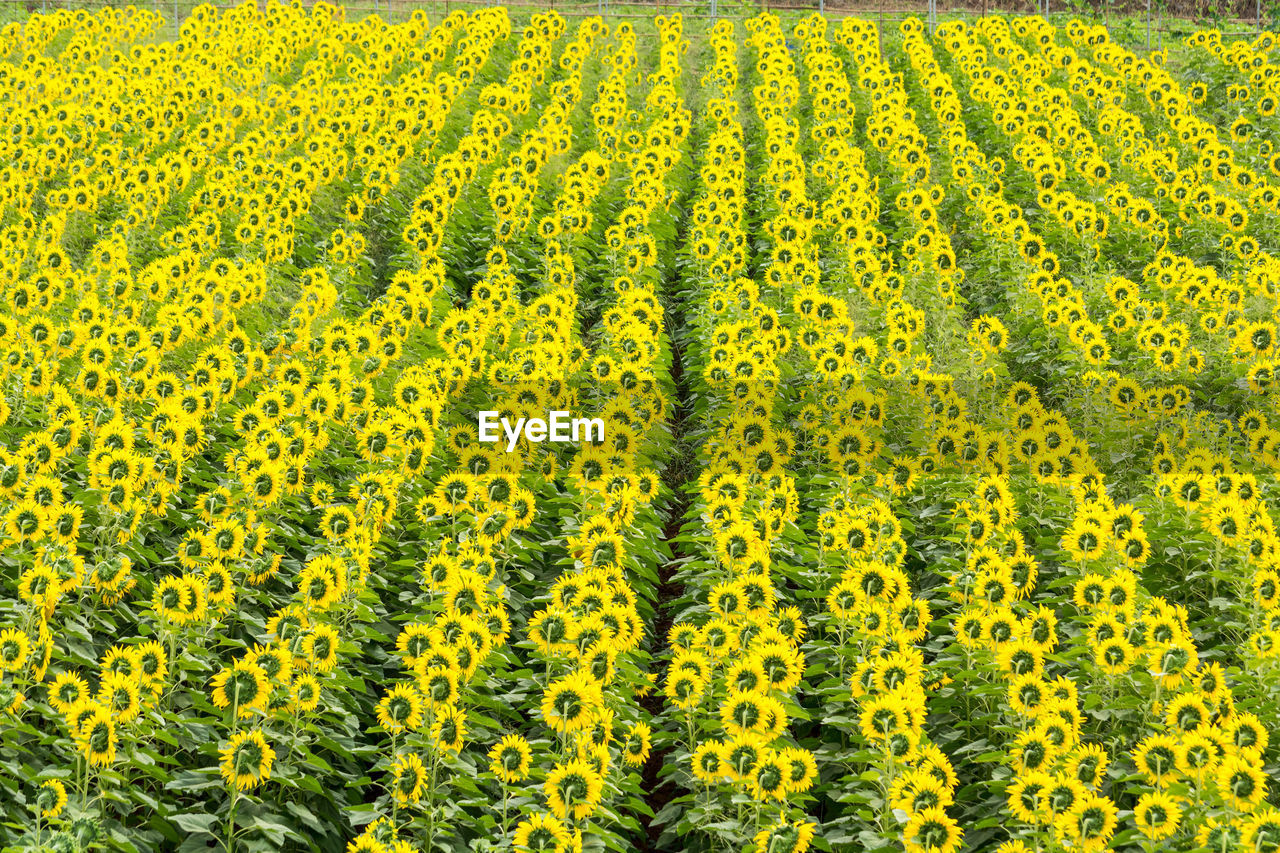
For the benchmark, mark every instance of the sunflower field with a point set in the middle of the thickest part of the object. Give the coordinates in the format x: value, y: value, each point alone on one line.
x: 936, y: 503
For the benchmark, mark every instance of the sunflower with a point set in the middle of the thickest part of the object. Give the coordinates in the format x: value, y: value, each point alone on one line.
x: 741, y: 755
x: 685, y: 689
x: 1246, y: 731
x: 173, y: 600
x: 748, y: 712
x: 917, y: 790
x: 1156, y: 758
x: 1217, y: 834
x: 1157, y: 815
x: 438, y: 685
x: 1241, y: 782
x: 1090, y: 823
x: 304, y: 693
x: 573, y: 790
x: 1087, y: 764
x: 968, y: 627
x: 549, y: 629
x: 1028, y: 796
x: 635, y: 747
x: 790, y: 623
x: 67, y: 691
x: 400, y: 709
x: 320, y: 585
x: 510, y: 758
x: 1021, y: 657
x: 1186, y: 712
x: 320, y: 647
x: 1172, y: 663
x: 51, y: 798
x: 1114, y: 656
x: 246, y: 760
x: 1062, y: 794
x: 414, y: 643
x: 1266, y: 588
x: 14, y: 648
x: 801, y: 767
x: 1262, y: 830
x: 883, y: 716
x: 95, y: 732
x: 449, y: 728
x: 769, y: 777
x: 1027, y: 694
x: 118, y: 693
x: 408, y: 779
x: 1084, y: 540
x: 243, y: 686
x: 709, y: 762
x: 541, y: 833
x: 999, y: 627
x: 1034, y: 750
x: 568, y: 703
x: 931, y: 831
x: 276, y: 662
x: 727, y: 600
x: 783, y: 664
x: 785, y: 837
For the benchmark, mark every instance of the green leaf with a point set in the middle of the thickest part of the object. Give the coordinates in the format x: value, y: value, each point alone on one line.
x: 194, y: 822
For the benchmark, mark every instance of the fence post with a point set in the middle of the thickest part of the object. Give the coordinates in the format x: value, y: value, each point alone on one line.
x: 1149, y: 24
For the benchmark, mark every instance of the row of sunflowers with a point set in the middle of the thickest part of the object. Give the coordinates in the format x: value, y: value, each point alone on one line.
x: 934, y: 505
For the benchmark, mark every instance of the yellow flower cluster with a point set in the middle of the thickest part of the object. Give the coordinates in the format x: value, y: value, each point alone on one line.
x: 934, y: 500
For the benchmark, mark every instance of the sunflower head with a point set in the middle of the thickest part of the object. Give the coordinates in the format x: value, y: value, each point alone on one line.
x: 246, y: 760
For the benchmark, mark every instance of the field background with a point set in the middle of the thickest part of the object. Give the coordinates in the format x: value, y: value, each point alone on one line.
x: 923, y: 502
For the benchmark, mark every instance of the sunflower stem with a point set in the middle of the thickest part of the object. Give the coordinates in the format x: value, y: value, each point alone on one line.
x: 505, y: 796
x: 231, y: 820
x: 293, y: 735
x: 431, y: 805
x: 395, y: 795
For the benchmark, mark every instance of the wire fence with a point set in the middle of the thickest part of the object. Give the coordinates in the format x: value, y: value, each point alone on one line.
x: 1137, y: 26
